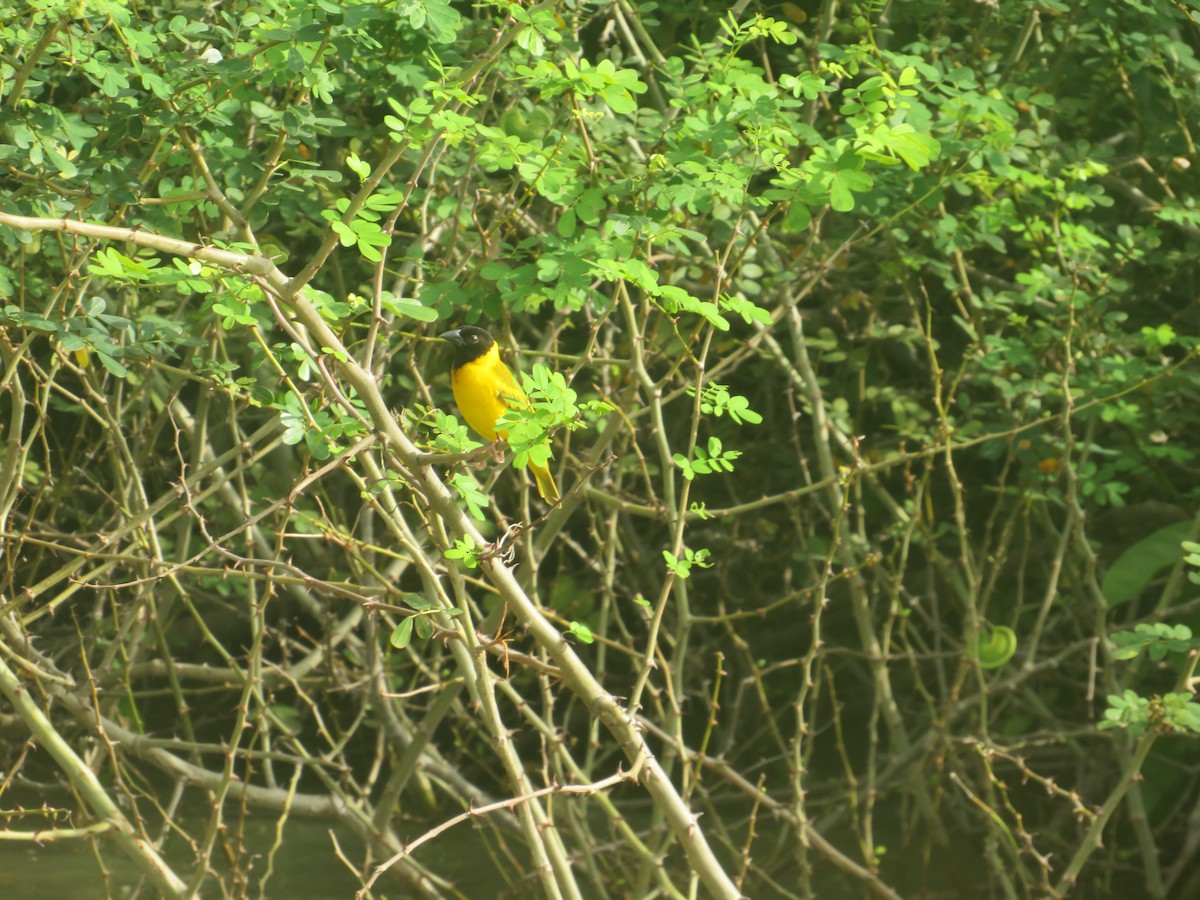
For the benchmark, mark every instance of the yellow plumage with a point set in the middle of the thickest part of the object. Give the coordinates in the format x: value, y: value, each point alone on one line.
x: 484, y: 387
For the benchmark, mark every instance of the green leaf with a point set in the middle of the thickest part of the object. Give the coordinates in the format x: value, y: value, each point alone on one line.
x: 566, y: 224
x: 582, y: 632
x: 1140, y: 564
x: 843, y: 186
x: 407, y: 309
x: 287, y: 718
x: 1157, y: 640
x: 917, y: 150
x: 465, y: 550
x: 358, y: 167
x: 317, y: 445
x: 444, y: 20
x: 685, y: 466
x: 111, y: 365
x: 471, y: 493
x: 65, y: 167
x: 402, y: 633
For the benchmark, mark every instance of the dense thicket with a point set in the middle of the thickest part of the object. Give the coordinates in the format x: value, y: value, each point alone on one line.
x: 863, y: 335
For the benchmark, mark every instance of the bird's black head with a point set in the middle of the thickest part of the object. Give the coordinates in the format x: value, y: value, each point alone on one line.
x: 469, y: 343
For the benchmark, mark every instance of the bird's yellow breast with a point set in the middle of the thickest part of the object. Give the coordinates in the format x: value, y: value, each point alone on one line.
x: 483, y: 389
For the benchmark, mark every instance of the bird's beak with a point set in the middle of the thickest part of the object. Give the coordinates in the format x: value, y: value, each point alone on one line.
x: 454, y: 337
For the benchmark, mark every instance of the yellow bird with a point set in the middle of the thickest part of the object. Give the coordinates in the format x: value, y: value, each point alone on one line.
x: 484, y: 388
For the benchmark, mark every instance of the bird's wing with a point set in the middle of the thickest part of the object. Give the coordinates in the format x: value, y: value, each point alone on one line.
x: 509, y: 391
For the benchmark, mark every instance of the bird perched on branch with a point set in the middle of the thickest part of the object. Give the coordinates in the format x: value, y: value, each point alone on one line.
x: 484, y: 387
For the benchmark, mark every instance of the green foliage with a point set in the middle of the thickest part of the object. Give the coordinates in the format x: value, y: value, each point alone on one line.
x: 1169, y: 712
x: 682, y: 568
x: 889, y: 307
x: 1156, y: 640
x: 363, y: 230
x: 406, y: 308
x: 717, y: 401
x: 420, y: 622
x: 1192, y: 558
x: 581, y: 632
x: 552, y: 404
x: 1134, y: 569
x: 323, y: 431
x: 1173, y: 712
x: 466, y: 550
x: 472, y: 494
x: 451, y: 435
x: 441, y: 18
x: 714, y: 460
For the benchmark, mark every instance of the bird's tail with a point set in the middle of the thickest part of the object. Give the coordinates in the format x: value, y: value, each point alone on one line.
x: 546, y: 487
